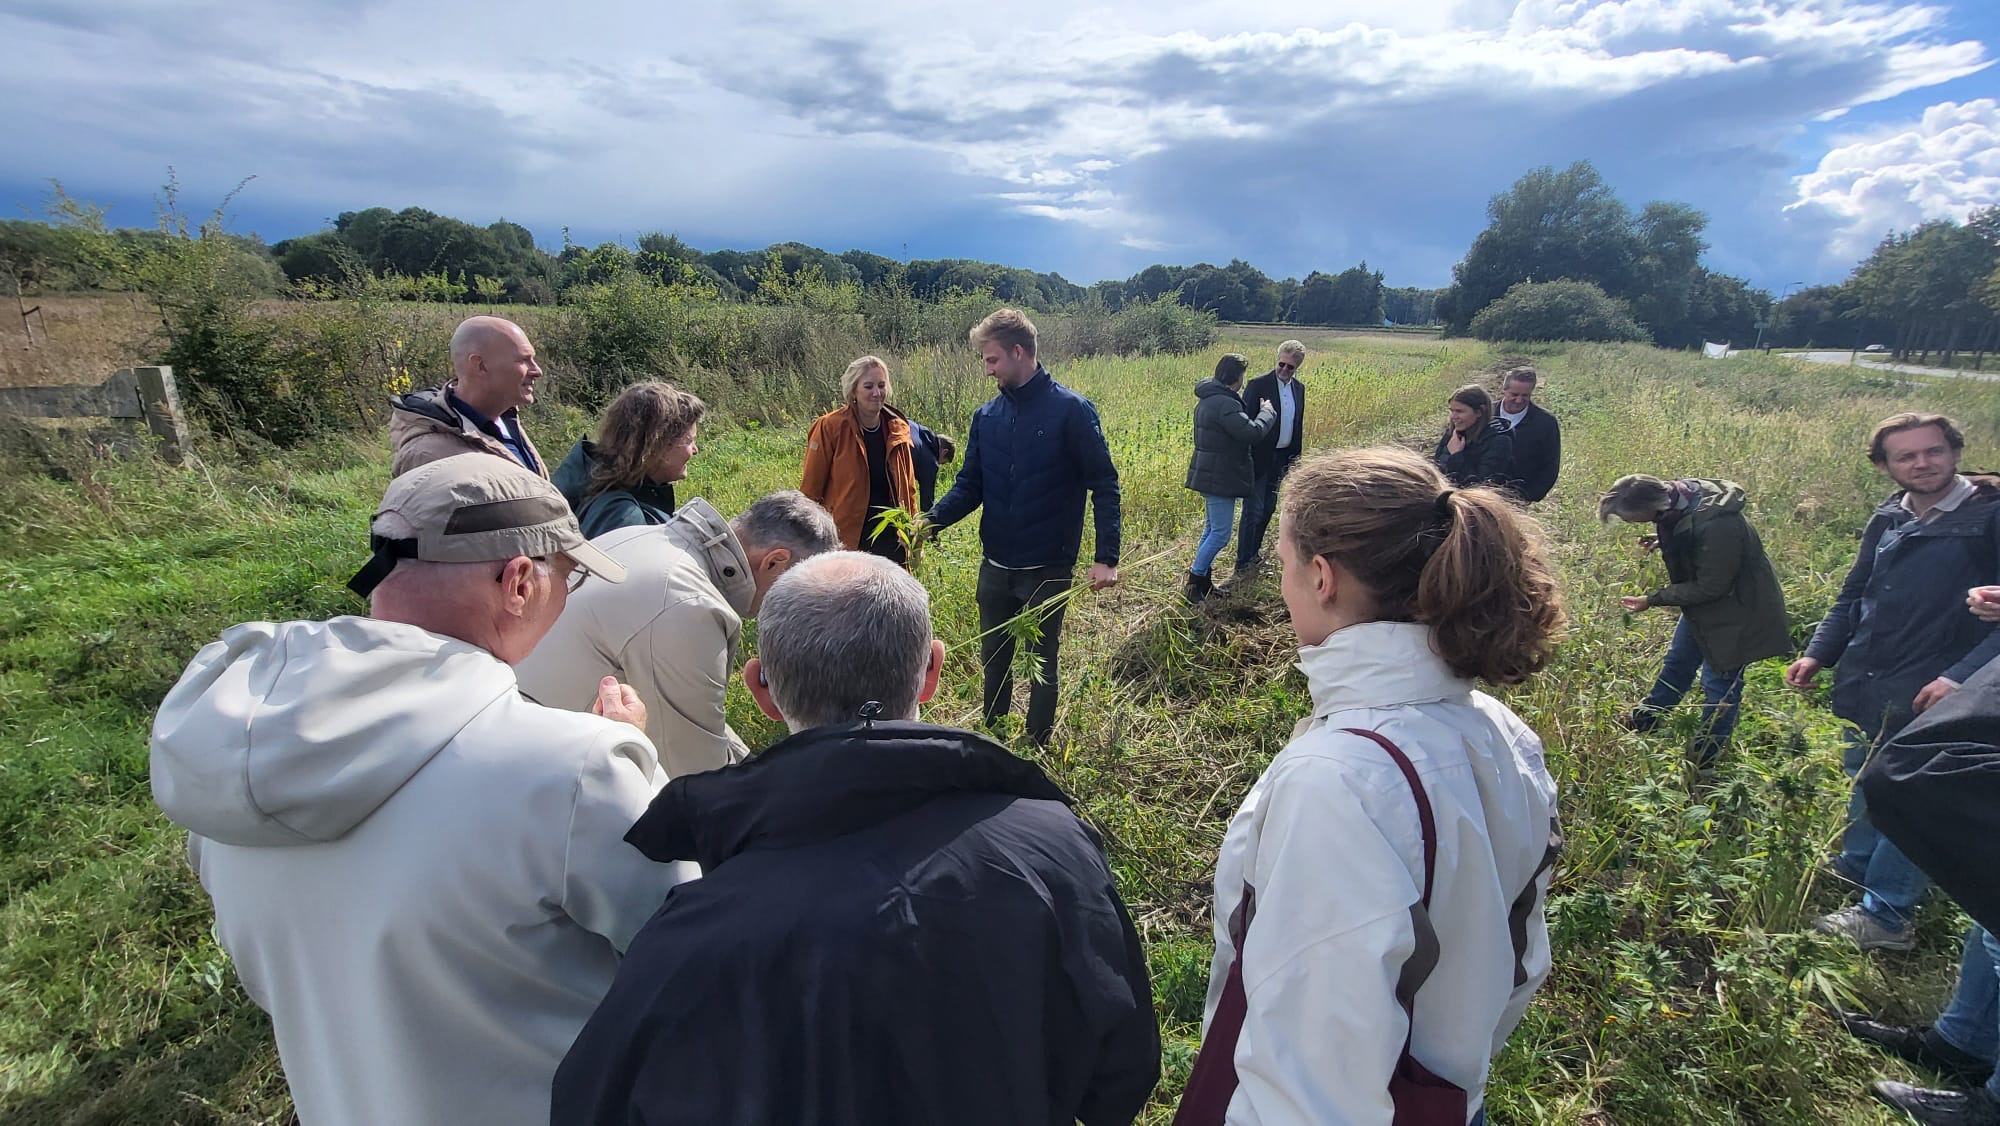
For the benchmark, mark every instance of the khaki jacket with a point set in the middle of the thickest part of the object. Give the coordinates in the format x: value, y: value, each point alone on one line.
x: 836, y: 469
x: 423, y: 428
x: 670, y: 630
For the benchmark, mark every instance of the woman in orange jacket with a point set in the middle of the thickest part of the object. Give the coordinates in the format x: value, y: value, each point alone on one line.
x: 858, y: 460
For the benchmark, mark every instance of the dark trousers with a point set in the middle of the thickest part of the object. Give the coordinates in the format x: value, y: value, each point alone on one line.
x: 1259, y: 508
x: 1002, y: 595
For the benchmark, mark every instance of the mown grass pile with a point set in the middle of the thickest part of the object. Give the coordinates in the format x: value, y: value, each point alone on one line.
x: 1685, y: 990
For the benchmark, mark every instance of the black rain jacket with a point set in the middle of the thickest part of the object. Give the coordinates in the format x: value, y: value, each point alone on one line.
x: 1934, y: 790
x: 898, y: 923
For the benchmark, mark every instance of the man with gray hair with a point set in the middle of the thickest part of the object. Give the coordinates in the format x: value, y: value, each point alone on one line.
x: 899, y: 923
x: 418, y: 873
x: 671, y: 629
x: 493, y: 374
x: 1272, y: 455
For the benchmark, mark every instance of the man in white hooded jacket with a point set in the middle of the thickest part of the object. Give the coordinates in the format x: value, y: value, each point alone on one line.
x: 419, y: 874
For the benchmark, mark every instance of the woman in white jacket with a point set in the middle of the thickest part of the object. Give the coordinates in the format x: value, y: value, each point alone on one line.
x: 1378, y: 908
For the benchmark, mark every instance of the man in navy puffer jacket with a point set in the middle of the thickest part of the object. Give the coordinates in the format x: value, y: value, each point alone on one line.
x: 1030, y: 456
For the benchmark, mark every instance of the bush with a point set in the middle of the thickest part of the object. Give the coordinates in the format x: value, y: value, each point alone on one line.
x: 1558, y: 310
x: 1161, y: 325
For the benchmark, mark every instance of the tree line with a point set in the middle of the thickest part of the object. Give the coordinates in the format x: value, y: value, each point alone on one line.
x: 428, y: 256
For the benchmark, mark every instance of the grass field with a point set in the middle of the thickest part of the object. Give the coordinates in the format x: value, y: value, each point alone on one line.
x: 1684, y: 989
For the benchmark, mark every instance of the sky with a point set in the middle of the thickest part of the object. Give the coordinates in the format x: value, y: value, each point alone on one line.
x: 1087, y: 139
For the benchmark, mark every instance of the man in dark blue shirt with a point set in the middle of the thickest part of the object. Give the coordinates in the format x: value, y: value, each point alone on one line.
x: 493, y: 373
x: 1031, y: 454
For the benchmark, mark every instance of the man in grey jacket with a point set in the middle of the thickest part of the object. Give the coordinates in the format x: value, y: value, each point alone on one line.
x: 672, y: 627
x: 419, y: 874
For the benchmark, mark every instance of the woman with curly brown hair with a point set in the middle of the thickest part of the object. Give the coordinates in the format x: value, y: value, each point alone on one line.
x: 1378, y: 906
x: 644, y: 443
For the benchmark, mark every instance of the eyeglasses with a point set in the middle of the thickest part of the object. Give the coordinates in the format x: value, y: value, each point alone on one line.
x: 1283, y: 366
x: 573, y: 580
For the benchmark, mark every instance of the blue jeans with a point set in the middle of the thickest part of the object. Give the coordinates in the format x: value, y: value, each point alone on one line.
x: 1721, y: 689
x: 1894, y: 884
x: 1221, y: 513
x: 1971, y: 1021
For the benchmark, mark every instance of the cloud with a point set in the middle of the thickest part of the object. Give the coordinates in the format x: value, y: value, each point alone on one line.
x: 1943, y: 166
x: 1047, y: 136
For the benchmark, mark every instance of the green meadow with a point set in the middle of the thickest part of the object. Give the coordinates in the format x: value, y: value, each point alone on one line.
x: 1686, y: 987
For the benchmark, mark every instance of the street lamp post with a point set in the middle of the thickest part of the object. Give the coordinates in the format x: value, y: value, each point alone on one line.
x: 1765, y: 322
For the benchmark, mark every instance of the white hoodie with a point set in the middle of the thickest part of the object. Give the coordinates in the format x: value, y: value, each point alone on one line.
x: 1330, y: 840
x: 420, y: 875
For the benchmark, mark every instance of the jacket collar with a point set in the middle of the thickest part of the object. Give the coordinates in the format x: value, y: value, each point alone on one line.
x: 1036, y: 386
x: 1378, y: 665
x: 824, y: 783
x: 702, y: 532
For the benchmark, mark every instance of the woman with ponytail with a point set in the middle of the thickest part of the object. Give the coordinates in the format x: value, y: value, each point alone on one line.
x: 1378, y: 905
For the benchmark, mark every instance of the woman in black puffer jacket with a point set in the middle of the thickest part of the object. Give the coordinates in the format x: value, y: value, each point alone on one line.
x: 1220, y: 469
x: 1476, y: 447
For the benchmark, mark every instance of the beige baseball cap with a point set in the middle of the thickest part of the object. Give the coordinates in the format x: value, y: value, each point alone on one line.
x: 474, y: 508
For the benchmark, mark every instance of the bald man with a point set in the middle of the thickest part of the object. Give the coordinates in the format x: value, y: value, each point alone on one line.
x: 493, y: 373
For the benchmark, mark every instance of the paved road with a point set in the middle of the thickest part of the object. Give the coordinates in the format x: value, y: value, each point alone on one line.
x: 1884, y: 365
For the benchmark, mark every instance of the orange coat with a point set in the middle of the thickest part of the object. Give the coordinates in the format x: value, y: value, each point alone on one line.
x: 836, y: 471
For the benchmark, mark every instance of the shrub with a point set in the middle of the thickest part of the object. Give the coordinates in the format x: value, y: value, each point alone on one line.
x: 1161, y: 325
x: 1557, y: 310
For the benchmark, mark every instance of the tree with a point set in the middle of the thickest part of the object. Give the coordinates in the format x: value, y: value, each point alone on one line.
x: 1668, y: 272
x: 1357, y: 297
x: 1558, y: 310
x: 1552, y: 225
x: 1929, y: 284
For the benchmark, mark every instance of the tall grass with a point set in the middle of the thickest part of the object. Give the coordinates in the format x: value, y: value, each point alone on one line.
x: 1686, y: 988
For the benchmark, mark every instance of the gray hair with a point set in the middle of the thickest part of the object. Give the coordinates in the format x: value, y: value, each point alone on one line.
x: 787, y: 519
x: 1292, y: 348
x: 1634, y: 497
x: 841, y: 630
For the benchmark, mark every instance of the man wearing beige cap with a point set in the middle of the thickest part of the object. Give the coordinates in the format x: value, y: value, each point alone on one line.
x: 418, y: 873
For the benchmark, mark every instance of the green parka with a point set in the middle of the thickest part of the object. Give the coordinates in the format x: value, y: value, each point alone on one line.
x: 1722, y: 581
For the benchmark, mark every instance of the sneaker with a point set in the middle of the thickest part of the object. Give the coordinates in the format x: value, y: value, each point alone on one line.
x: 1921, y: 1045
x: 1865, y: 931
x: 1939, y: 1108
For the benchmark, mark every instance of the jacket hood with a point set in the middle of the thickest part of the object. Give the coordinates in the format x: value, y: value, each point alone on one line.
x: 572, y: 477
x: 823, y: 783
x: 698, y: 529
x: 1209, y: 388
x: 1720, y: 496
x: 430, y: 402
x: 294, y: 733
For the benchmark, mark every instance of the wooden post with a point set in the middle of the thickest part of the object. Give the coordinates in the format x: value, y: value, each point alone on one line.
x: 162, y: 405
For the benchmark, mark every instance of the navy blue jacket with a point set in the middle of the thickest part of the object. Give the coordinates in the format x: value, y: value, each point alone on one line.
x: 924, y: 458
x: 1900, y: 621
x: 897, y: 924
x: 1030, y: 455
